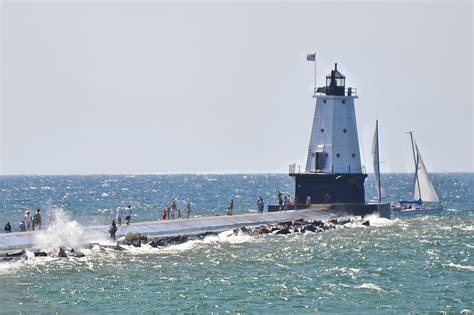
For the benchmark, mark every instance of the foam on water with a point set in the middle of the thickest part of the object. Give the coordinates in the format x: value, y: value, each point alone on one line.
x: 376, y: 220
x: 25, y: 263
x: 370, y: 286
x: 224, y: 237
x: 470, y: 268
x: 231, y: 238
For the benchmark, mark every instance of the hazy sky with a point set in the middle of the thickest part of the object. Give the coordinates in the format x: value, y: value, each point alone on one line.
x: 154, y: 87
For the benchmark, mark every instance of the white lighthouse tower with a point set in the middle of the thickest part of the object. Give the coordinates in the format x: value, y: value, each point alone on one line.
x: 333, y: 172
x: 334, y: 144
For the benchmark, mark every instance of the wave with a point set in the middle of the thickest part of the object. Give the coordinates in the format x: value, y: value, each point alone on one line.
x: 62, y: 231
x: 374, y: 220
x: 470, y: 268
x: 26, y: 263
x: 228, y: 237
x: 370, y: 286
x: 468, y: 228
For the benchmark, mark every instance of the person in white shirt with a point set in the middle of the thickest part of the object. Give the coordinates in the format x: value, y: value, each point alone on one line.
x: 119, y: 215
x: 28, y: 221
x: 173, y: 209
x: 128, y: 214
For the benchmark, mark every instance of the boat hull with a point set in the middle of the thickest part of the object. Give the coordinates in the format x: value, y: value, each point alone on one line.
x: 396, y: 213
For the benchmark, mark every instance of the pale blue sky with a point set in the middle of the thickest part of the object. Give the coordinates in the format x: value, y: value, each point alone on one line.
x: 154, y: 87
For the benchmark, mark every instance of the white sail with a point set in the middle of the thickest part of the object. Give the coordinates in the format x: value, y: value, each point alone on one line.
x: 423, y: 183
x: 376, y: 161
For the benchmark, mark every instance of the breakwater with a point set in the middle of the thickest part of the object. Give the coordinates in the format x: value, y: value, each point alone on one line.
x: 153, y: 240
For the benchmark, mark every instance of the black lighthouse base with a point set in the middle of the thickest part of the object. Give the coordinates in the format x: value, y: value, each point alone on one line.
x: 329, y: 188
x: 340, y: 194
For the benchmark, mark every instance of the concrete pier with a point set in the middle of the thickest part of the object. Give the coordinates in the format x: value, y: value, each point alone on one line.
x: 23, y: 240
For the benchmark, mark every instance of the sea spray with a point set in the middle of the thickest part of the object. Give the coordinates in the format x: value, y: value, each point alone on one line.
x: 63, y: 231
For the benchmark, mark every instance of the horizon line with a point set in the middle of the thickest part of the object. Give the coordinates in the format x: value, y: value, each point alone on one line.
x: 201, y: 173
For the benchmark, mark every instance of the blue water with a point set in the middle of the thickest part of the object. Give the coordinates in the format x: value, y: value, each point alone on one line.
x: 409, y: 264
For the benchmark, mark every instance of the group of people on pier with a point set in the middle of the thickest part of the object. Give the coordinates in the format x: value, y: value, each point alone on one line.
x: 119, y: 214
x: 285, y: 201
x: 29, y: 222
x: 172, y: 211
x: 123, y: 213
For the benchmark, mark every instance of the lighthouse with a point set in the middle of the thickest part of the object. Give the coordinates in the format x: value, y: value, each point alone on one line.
x: 333, y: 172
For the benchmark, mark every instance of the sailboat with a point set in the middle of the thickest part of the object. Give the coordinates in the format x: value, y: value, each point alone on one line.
x: 425, y: 199
x: 376, y: 161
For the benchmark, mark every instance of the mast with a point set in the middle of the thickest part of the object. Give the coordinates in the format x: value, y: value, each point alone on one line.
x: 377, y: 158
x: 415, y: 160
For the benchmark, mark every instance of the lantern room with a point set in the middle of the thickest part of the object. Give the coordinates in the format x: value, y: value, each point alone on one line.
x: 335, y: 83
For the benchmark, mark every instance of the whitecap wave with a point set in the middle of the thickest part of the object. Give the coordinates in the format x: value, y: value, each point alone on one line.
x: 457, y: 266
x: 370, y: 286
x: 376, y: 220
x: 452, y: 210
x: 469, y: 228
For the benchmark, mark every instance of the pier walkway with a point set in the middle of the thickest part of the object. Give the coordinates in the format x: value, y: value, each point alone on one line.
x: 19, y: 240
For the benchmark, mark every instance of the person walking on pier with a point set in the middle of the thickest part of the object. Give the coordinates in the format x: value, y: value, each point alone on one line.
x: 286, y: 201
x: 188, y: 210
x: 280, y: 200
x: 7, y: 227
x: 119, y: 215
x: 128, y: 214
x: 37, y: 220
x: 230, y: 208
x: 173, y: 209
x: 28, y: 221
x: 260, y: 204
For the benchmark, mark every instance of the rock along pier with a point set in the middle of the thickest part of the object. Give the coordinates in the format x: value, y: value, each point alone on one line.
x: 172, y: 228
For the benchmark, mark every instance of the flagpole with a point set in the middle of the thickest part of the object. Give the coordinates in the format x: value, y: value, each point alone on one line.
x: 312, y: 57
x: 315, y: 85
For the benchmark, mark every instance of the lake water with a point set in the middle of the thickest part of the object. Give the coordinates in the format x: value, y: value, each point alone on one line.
x: 409, y: 264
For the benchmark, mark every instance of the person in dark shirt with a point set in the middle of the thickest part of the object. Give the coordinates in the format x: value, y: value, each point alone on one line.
x: 230, y: 208
x: 37, y: 220
x: 22, y: 226
x: 113, y: 230
x: 188, y: 210
x: 7, y: 227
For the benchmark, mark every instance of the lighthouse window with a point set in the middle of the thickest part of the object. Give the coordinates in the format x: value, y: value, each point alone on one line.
x: 324, y: 101
x: 344, y: 130
x: 338, y: 155
x: 322, y: 130
x: 343, y: 102
x: 353, y: 155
